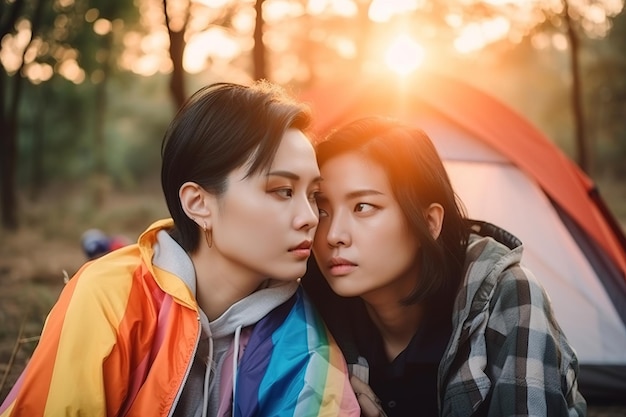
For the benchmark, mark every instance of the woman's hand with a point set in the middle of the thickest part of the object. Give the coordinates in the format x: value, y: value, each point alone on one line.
x: 368, y: 401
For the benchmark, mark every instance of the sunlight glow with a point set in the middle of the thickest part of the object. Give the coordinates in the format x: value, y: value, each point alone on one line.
x: 404, y: 55
x: 344, y: 8
x: 559, y: 41
x: 476, y: 36
x: 215, y: 43
x: 145, y: 55
x: 244, y: 21
x: 146, y: 65
x: 454, y: 20
x: 70, y: 70
x: 596, y: 14
x: 277, y: 10
x: 154, y: 41
x: 384, y: 10
x: 219, y: 48
x: 13, y: 45
x: 38, y: 73
x: 471, y: 39
x: 503, y: 2
x: 540, y: 41
x: 276, y: 41
x: 215, y: 4
x: 31, y: 52
x: 289, y: 65
x: 177, y: 11
x: 344, y: 46
x: 102, y: 26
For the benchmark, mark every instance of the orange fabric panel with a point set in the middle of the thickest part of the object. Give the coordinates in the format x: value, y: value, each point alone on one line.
x: 145, y: 370
x: 129, y: 358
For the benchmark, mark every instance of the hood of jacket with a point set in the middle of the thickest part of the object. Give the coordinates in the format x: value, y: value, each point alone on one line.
x: 490, y: 251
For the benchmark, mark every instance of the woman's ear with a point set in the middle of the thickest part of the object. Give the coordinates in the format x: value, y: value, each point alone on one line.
x: 196, y: 203
x: 434, y: 218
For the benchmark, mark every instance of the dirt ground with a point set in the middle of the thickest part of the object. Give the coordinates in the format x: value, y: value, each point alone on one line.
x: 26, y: 302
x: 35, y: 260
x: 31, y: 276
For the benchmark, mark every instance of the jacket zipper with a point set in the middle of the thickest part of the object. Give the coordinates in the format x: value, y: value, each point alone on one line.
x: 189, y: 365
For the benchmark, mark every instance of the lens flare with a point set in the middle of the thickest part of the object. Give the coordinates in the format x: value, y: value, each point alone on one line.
x: 404, y: 55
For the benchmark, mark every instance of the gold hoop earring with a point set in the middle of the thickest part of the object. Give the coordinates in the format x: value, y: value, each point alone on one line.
x: 208, y: 236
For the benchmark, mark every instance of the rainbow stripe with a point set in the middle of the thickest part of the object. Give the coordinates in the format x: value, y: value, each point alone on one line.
x: 292, y: 367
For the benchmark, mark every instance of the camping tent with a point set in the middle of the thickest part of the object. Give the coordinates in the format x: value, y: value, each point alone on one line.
x: 507, y: 172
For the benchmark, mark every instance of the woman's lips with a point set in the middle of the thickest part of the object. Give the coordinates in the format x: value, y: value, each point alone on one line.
x: 303, y: 250
x: 341, y: 266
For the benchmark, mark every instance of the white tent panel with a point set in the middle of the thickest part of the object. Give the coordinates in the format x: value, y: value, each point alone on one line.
x: 454, y: 143
x: 501, y: 194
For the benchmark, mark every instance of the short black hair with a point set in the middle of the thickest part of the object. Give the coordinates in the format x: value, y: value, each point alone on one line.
x: 219, y: 128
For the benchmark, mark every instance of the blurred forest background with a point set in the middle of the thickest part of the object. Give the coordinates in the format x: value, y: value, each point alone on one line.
x: 89, y: 86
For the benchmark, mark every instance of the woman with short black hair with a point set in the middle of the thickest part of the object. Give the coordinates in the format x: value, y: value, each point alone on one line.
x: 203, y: 316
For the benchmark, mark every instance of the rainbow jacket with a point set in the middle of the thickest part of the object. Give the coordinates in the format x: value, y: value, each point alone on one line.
x: 124, y: 334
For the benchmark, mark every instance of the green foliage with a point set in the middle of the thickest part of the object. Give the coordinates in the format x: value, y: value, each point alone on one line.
x: 136, y: 118
x: 52, y: 131
x: 606, y: 100
x: 136, y: 127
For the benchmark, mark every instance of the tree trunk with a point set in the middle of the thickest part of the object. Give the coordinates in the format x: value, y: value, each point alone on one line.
x: 258, y: 53
x: 8, y: 155
x: 11, y: 12
x: 177, y: 49
x: 9, y: 125
x: 583, y: 157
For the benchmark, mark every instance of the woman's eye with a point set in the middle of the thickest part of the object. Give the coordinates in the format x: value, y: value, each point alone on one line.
x: 284, y: 192
x: 323, y: 213
x: 313, y: 196
x: 363, y: 207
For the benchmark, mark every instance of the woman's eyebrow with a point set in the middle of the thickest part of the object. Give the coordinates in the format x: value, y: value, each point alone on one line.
x: 286, y: 174
x: 363, y: 193
x: 291, y: 175
x: 321, y: 197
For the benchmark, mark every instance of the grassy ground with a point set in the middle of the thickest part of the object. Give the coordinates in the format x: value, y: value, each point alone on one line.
x: 35, y: 260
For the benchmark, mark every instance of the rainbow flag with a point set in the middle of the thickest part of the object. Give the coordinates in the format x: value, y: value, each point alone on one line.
x: 292, y: 367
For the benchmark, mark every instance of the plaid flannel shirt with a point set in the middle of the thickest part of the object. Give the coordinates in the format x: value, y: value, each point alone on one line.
x: 507, y: 355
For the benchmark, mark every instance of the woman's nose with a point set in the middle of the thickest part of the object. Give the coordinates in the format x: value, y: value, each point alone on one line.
x: 338, y: 234
x: 308, y: 216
